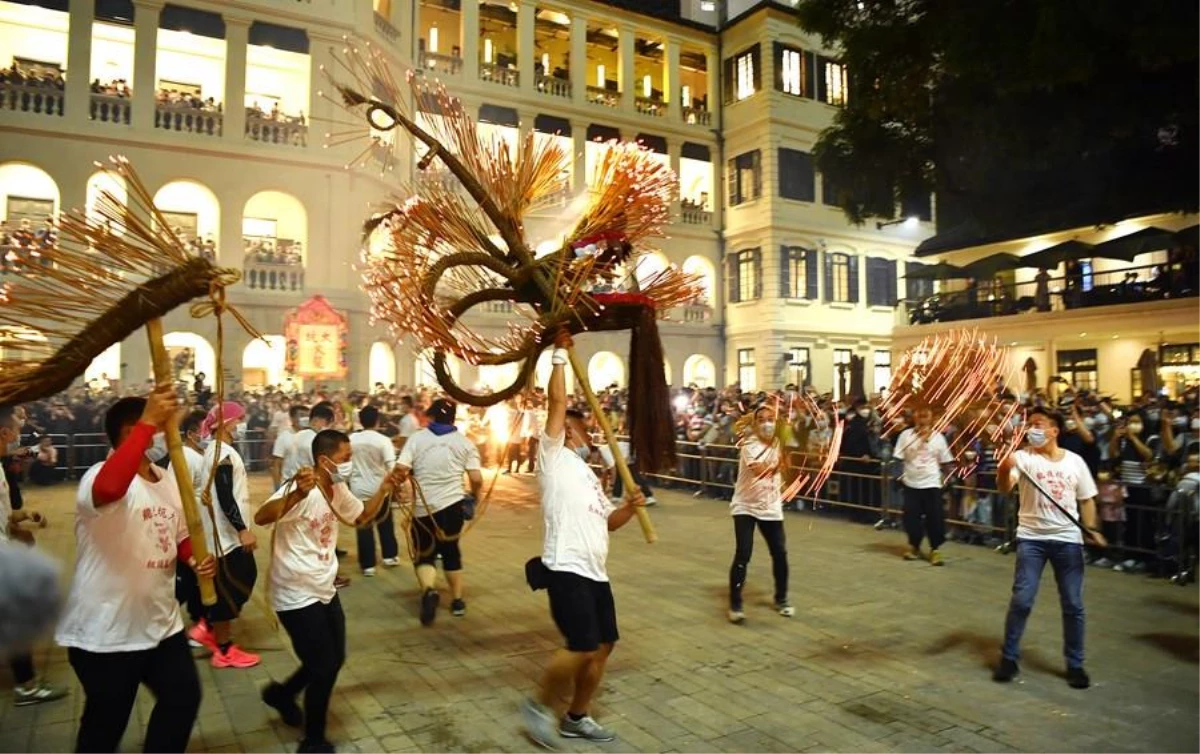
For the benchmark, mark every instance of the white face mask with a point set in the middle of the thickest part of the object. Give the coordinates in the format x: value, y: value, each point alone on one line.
x: 1070, y: 424
x: 341, y: 472
x: 1196, y: 424
x: 1089, y: 422
x: 1037, y: 437
x: 864, y: 412
x: 768, y: 428
x: 1136, y: 428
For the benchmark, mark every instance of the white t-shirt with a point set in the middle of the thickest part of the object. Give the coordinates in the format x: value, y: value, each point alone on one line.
x: 5, y: 507
x: 409, y: 425
x: 531, y: 423
x: 1067, y: 480
x: 303, y: 564
x: 304, y: 455
x: 754, y: 494
x: 606, y: 455
x: 575, y: 511
x: 373, y: 457
x: 227, y: 535
x: 922, y: 459
x: 123, y: 595
x: 438, y: 465
x: 287, y: 449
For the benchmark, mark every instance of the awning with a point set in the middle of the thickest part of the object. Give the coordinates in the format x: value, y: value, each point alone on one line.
x: 939, y: 271
x: 1055, y: 255
x: 989, y: 266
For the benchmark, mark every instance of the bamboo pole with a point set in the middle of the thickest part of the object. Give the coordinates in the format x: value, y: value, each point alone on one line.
x: 165, y: 375
x: 643, y: 516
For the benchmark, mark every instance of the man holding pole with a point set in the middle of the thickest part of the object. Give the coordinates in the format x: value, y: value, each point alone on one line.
x: 1057, y: 504
x: 578, y: 517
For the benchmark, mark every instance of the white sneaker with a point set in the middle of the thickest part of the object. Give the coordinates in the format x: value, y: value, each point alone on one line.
x: 368, y: 572
x: 785, y: 609
x: 651, y: 501
x: 737, y: 617
x: 391, y: 562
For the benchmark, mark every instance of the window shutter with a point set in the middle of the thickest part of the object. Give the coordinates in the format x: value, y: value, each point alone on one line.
x: 778, y: 59
x: 853, y: 279
x: 822, y: 84
x: 731, y: 180
x: 757, y: 161
x: 756, y: 56
x: 828, y: 275
x: 730, y: 82
x: 892, y: 297
x: 810, y: 276
x: 732, y: 274
x: 810, y: 75
x: 785, y: 272
x: 758, y: 276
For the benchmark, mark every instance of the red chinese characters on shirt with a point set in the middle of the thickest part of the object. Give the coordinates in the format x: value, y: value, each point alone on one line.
x: 321, y: 527
x: 1061, y: 487
x: 161, y: 524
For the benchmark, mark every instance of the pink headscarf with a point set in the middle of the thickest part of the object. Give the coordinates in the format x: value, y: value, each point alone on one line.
x: 229, y: 410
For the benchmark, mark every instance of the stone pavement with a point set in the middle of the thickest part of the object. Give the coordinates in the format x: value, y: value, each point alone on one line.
x: 883, y: 655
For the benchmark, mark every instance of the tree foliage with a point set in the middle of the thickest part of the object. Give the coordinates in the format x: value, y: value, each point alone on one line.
x: 1016, y: 113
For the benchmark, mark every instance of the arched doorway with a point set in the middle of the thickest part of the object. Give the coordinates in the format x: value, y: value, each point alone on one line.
x: 192, y: 211
x: 102, y: 182
x: 605, y: 370
x: 705, y: 275
x: 649, y: 266
x: 424, y: 375
x: 700, y: 371
x: 263, y: 362
x: 541, y: 372
x: 190, y: 355
x: 29, y: 200
x: 381, y: 365
x: 105, y: 369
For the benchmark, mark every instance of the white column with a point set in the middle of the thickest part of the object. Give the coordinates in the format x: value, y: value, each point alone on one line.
x: 145, y: 60
x: 579, y: 145
x: 525, y: 44
x: 525, y: 123
x: 712, y: 67
x: 675, y: 154
x: 237, y: 38
x: 579, y: 61
x: 670, y: 79
x: 625, y: 71
x: 79, y: 59
x: 470, y: 39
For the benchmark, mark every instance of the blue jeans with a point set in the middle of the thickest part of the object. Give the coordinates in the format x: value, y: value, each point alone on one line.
x: 1066, y: 558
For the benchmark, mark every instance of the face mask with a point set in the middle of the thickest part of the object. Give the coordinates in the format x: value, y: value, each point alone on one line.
x: 970, y: 455
x: 1180, y: 422
x: 1153, y: 416
x: 1037, y: 437
x: 864, y: 412
x: 584, y: 452
x: 1196, y: 424
x: 1089, y: 423
x: 768, y: 428
x: 1136, y: 428
x: 341, y: 472
x: 1015, y: 422
x: 1070, y: 424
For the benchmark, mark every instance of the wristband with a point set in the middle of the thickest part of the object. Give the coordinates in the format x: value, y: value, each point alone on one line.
x: 559, y: 357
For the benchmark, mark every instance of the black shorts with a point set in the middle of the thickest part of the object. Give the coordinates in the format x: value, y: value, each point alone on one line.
x: 583, y: 610
x: 438, y: 535
x: 236, y: 574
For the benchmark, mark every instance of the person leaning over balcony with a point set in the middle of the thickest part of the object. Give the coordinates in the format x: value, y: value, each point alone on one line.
x: 1046, y: 534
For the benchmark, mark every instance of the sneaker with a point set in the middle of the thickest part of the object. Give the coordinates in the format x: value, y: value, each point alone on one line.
x: 585, y: 727
x: 429, y: 606
x: 194, y: 644
x: 341, y: 582
x: 1077, y: 678
x: 737, y: 617
x: 202, y: 636
x: 539, y: 723
x: 1005, y: 671
x: 458, y: 608
x: 651, y: 500
x: 315, y: 747
x: 912, y: 554
x: 1103, y: 563
x: 785, y: 609
x: 36, y: 693
x: 391, y: 562
x: 234, y: 657
x: 935, y: 558
x: 368, y: 572
x: 276, y: 697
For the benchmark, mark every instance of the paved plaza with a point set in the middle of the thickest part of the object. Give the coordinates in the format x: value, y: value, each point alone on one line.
x: 883, y: 655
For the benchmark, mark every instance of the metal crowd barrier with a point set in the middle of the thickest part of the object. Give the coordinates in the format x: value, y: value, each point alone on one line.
x: 79, y: 452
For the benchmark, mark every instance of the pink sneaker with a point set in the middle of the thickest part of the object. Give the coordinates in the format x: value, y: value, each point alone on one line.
x: 236, y: 657
x: 203, y: 635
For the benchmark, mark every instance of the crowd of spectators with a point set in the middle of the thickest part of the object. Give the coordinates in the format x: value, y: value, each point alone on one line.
x: 1145, y: 455
x: 274, y: 251
x: 47, y: 79
x: 113, y: 88
x: 177, y: 100
x: 23, y: 242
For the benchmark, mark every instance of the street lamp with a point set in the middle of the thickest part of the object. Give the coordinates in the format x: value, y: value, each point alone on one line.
x: 908, y: 222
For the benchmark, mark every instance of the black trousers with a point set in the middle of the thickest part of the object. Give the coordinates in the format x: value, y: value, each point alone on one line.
x: 110, y: 683
x: 428, y: 545
x: 743, y: 533
x: 22, y: 668
x: 387, y: 541
x: 318, y: 634
x: 924, y: 516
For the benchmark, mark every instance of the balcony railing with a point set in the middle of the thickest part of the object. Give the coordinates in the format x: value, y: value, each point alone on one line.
x: 267, y: 130
x: 270, y: 276
x: 558, y: 197
x: 554, y: 86
x: 650, y: 106
x: 497, y: 307
x: 598, y: 95
x: 691, y: 214
x: 43, y: 100
x: 1128, y: 286
x: 438, y: 179
x: 499, y: 74
x: 109, y: 108
x: 438, y: 62
x: 385, y: 29
x: 697, y: 116
x: 187, y: 119
x: 698, y: 313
